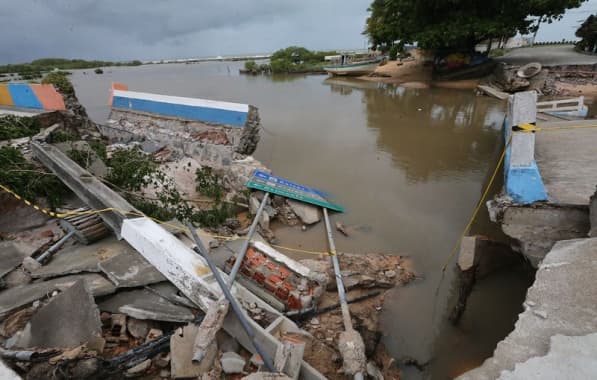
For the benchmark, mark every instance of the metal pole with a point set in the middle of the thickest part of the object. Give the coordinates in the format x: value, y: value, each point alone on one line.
x: 54, y: 247
x: 339, y: 283
x: 342, y: 294
x: 243, y: 250
x: 200, y: 249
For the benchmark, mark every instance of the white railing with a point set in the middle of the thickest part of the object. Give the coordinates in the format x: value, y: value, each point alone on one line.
x: 574, y: 104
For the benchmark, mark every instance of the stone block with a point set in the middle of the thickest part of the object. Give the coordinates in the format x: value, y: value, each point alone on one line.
x: 522, y: 151
x: 181, y: 353
x: 522, y: 108
x: 67, y: 321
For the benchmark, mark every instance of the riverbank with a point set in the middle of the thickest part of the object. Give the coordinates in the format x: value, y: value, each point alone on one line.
x: 414, y: 73
x: 459, y: 131
x: 547, y: 208
x: 558, y: 78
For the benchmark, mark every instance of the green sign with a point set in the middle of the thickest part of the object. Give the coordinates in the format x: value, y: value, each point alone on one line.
x: 280, y: 186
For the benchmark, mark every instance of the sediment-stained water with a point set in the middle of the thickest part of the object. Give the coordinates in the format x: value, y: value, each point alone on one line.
x: 408, y: 165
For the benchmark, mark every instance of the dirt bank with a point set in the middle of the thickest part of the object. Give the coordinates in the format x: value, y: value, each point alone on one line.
x: 414, y: 73
x: 363, y: 275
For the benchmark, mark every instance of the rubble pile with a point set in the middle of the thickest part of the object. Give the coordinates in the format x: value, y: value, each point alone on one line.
x: 551, y: 81
x: 366, y: 276
x: 73, y: 307
x: 102, y: 311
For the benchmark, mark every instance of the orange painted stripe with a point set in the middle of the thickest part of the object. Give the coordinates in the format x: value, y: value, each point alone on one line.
x: 116, y: 86
x: 47, y: 95
x: 5, y: 98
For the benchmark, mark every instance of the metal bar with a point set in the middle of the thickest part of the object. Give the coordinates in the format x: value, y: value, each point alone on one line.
x: 339, y: 283
x: 200, y: 249
x: 341, y: 292
x: 55, y: 247
x: 243, y: 250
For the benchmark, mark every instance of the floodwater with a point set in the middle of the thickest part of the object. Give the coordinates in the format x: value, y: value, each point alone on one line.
x: 409, y: 165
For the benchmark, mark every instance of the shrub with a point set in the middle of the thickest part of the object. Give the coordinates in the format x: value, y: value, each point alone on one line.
x: 394, y: 52
x: 60, y: 81
x: 29, y: 181
x: 14, y: 127
x: 251, y: 66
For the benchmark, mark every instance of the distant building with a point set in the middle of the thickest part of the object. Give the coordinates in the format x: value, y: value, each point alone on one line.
x: 517, y: 41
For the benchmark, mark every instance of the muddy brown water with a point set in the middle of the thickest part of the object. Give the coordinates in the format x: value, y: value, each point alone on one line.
x: 408, y: 165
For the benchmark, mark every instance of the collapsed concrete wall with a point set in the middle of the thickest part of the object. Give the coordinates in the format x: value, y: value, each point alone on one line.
x: 210, y: 143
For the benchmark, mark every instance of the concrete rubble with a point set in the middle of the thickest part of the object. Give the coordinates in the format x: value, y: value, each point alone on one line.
x: 10, y: 257
x: 47, y: 327
x: 560, y: 302
x: 129, y: 270
x: 147, y: 305
x: 181, y: 346
x: 77, y: 259
x: 110, y: 309
x: 569, y: 357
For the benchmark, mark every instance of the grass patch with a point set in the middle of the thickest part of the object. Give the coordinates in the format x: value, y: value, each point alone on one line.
x: 14, y: 127
x: 29, y: 181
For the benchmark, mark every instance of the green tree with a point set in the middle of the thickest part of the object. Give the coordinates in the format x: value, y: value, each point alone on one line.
x: 587, y: 32
x: 456, y: 23
x: 251, y: 66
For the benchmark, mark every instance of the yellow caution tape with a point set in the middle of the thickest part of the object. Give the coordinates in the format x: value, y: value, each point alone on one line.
x: 133, y: 213
x: 526, y: 127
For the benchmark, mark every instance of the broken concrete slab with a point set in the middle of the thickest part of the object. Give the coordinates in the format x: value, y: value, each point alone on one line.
x: 19, y: 296
x: 307, y: 213
x: 171, y: 293
x: 139, y: 369
x: 181, y: 352
x: 232, y: 363
x: 7, y: 374
x: 289, y: 356
x: 10, y: 257
x: 98, y: 285
x: 67, y: 321
x: 146, y: 305
x: 82, y: 258
x: 569, y: 357
x: 16, y: 217
x: 129, y: 269
x: 555, y: 304
x: 137, y: 328
x: 34, y: 239
x: 94, y: 163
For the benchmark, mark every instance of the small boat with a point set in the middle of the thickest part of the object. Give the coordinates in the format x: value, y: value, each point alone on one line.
x: 351, y: 65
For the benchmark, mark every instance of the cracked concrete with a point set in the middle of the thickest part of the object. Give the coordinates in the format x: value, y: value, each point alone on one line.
x: 561, y: 301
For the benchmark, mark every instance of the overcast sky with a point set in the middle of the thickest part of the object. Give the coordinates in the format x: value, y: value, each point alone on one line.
x: 155, y: 29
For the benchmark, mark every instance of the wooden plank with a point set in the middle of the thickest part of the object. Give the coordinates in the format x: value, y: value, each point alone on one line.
x: 491, y: 91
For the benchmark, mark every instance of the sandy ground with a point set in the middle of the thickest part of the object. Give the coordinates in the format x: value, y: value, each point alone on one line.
x: 574, y: 89
x: 414, y: 74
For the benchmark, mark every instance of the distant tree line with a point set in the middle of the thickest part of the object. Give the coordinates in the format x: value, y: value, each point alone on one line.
x: 293, y: 59
x: 49, y: 64
x: 457, y: 24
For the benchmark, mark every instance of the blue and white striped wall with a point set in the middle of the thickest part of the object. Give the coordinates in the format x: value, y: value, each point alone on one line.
x: 233, y: 114
x: 523, y: 180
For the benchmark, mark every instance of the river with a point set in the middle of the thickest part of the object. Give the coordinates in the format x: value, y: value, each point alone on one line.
x: 409, y: 166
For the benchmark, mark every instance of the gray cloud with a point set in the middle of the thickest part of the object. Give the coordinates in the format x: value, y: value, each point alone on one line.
x: 151, y: 29
x: 154, y: 29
